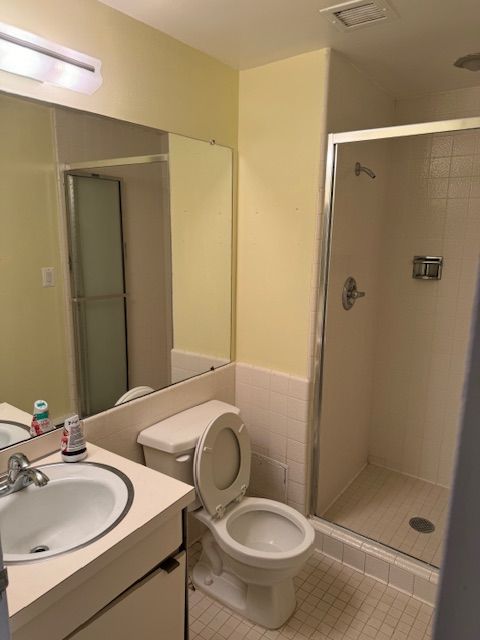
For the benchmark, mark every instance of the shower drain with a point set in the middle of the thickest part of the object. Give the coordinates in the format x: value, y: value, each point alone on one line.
x: 40, y: 548
x: 422, y: 525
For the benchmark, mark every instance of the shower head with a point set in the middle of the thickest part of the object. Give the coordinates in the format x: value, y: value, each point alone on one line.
x: 359, y: 168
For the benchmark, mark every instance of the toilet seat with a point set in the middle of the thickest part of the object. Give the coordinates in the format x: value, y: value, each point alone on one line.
x: 257, y: 532
x: 133, y: 394
x: 250, y: 542
x: 221, y: 466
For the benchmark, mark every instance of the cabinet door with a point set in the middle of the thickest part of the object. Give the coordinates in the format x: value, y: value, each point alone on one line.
x: 152, y: 609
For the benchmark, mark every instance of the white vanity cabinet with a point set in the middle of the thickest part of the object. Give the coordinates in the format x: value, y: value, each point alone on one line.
x: 152, y: 609
x: 139, y: 594
x: 128, y: 584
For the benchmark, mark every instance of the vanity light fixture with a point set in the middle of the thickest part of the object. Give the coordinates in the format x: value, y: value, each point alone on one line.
x: 26, y: 54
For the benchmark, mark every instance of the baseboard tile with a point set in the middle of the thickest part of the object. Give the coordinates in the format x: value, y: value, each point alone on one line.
x: 396, y: 569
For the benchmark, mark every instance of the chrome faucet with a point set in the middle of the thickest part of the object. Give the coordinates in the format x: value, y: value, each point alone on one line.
x: 21, y: 475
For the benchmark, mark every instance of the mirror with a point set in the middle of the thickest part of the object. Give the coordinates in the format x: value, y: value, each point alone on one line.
x: 115, y: 261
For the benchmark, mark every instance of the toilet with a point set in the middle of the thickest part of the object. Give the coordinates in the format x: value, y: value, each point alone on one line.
x: 253, y: 547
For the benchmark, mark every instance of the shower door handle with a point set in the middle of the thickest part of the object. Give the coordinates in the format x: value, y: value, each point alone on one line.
x: 350, y: 293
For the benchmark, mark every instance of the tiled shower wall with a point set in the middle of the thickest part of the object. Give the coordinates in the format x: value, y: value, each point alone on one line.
x: 348, y: 363
x: 424, y: 327
x: 435, y: 210
x: 274, y: 407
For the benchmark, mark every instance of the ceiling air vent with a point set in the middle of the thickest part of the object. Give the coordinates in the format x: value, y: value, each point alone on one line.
x: 359, y: 13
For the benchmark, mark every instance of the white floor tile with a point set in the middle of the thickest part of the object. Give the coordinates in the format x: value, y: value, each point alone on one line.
x: 334, y: 602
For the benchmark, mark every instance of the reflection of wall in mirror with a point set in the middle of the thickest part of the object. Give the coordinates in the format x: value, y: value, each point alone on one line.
x: 38, y: 352
x: 148, y: 272
x: 201, y: 252
x: 33, y: 350
x: 84, y: 137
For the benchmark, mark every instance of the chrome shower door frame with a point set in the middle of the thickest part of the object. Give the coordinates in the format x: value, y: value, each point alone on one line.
x: 334, y: 140
x: 79, y: 339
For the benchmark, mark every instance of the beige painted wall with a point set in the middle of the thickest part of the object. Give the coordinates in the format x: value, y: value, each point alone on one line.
x: 201, y: 223
x: 149, y: 78
x: 281, y: 141
x: 462, y: 103
x: 33, y: 352
x: 353, y: 103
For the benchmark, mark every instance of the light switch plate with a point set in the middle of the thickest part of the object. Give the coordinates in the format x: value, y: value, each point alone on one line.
x: 48, y: 276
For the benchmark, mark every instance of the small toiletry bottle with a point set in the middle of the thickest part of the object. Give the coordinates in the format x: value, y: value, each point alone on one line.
x: 73, y: 447
x: 35, y: 429
x: 40, y: 415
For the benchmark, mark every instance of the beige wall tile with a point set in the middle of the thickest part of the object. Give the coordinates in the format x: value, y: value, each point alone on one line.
x: 117, y: 429
x: 424, y: 326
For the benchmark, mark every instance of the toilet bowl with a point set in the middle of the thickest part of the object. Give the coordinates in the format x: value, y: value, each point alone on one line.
x: 250, y: 557
x: 253, y: 547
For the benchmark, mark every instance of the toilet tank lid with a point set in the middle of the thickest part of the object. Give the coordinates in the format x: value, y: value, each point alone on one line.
x: 181, y: 431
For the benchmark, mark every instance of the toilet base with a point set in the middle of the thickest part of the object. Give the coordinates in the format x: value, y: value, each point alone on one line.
x: 269, y: 606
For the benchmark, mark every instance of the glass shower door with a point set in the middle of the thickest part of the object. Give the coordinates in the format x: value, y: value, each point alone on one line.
x: 394, y: 362
x: 97, y: 276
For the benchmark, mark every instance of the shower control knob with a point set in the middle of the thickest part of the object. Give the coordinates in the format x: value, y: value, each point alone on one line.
x: 357, y: 294
x: 350, y: 293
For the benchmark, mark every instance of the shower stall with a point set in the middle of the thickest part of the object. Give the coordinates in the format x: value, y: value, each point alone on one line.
x: 401, y: 242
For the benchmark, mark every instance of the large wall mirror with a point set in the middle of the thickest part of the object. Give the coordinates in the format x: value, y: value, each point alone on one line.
x: 115, y: 261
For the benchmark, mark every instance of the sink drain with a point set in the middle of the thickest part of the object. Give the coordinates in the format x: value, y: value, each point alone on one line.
x: 422, y: 525
x: 40, y: 548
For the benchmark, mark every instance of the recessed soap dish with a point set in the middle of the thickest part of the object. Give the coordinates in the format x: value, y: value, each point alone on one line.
x: 427, y: 267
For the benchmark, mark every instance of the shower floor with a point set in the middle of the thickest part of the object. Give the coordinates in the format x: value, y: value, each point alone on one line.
x: 379, y: 504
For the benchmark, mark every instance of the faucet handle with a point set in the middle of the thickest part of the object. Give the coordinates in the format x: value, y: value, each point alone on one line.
x: 16, y: 463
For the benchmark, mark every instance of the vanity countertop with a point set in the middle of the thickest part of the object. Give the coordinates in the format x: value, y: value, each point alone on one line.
x: 35, y: 586
x: 9, y: 412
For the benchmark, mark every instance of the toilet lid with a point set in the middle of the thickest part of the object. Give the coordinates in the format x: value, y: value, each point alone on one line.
x: 221, y: 466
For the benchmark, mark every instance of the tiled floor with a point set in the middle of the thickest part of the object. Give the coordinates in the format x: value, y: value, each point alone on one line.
x: 379, y: 503
x: 334, y: 603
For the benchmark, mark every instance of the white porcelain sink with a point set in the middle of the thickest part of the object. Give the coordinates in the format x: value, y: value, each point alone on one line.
x: 81, y: 503
x: 12, y: 432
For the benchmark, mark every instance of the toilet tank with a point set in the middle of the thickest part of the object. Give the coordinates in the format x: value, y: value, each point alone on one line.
x: 169, y: 445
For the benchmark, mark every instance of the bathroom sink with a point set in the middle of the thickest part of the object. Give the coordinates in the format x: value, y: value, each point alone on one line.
x: 12, y: 432
x: 82, y: 502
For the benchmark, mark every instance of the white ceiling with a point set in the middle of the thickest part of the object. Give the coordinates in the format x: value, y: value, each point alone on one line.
x: 409, y: 56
